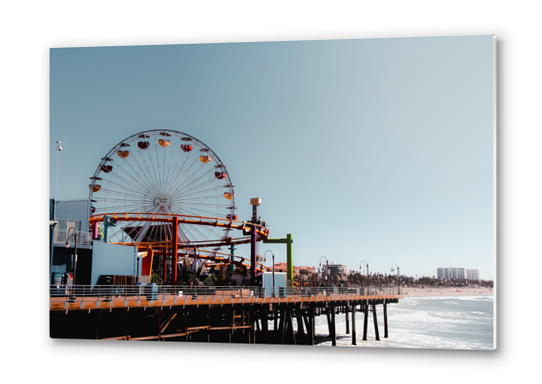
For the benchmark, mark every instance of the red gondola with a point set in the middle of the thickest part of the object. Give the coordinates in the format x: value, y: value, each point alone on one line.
x: 106, y: 168
x: 186, y: 147
x: 220, y: 175
x: 144, y: 144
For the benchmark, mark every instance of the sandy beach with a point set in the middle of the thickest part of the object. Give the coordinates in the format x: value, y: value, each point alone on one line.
x: 446, y: 291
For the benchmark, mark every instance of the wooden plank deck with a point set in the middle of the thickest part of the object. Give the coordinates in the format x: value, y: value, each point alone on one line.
x: 89, y: 303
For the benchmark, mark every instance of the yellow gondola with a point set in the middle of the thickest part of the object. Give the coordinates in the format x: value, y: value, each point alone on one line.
x: 163, y: 143
x: 123, y: 154
x: 205, y: 158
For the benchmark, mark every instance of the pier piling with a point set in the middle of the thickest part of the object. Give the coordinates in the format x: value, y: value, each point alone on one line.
x: 346, y: 318
x: 354, y: 324
x: 377, y: 336
x: 365, y: 320
x: 385, y: 319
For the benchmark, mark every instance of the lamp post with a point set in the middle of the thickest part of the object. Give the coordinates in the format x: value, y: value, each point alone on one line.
x: 393, y: 270
x: 58, y: 149
x: 367, y: 264
x: 327, y: 265
x: 265, y: 258
x: 67, y: 244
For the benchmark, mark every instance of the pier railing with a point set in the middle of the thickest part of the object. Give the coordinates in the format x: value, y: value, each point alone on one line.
x: 152, y: 292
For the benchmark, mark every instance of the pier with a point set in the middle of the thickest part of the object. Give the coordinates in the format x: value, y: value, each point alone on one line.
x: 213, y: 314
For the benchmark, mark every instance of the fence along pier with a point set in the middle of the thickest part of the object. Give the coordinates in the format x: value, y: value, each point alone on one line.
x: 212, y: 314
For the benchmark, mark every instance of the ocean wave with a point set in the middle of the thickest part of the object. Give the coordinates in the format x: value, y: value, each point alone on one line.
x: 459, y: 323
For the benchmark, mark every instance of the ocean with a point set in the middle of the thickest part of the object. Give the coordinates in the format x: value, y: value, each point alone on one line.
x: 459, y: 323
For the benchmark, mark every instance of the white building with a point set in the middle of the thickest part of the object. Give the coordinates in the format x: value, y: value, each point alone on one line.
x: 336, y: 269
x: 452, y: 273
x: 473, y: 274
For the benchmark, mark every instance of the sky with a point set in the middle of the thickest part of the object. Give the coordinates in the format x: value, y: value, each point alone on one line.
x: 376, y: 150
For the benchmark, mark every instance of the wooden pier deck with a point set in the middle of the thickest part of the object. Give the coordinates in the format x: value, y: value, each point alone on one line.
x: 238, y: 318
x: 89, y: 302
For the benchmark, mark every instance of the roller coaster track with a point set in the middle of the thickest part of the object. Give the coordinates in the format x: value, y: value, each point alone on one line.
x: 261, y: 231
x: 213, y: 256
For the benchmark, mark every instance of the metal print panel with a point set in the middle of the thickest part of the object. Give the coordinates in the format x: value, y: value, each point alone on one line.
x: 325, y: 193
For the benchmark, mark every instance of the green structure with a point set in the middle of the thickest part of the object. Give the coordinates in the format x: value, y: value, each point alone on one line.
x: 289, y: 262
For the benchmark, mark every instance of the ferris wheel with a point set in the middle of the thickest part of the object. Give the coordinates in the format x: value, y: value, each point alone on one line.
x: 163, y: 172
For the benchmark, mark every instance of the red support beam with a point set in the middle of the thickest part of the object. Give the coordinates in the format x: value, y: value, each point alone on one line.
x: 175, y: 240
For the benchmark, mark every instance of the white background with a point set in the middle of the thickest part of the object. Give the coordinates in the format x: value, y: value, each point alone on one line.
x: 29, y: 29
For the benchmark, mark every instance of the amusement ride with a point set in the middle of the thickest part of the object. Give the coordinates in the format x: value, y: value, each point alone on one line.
x: 168, y: 194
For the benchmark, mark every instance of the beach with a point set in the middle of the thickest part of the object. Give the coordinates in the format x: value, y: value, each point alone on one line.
x: 424, y: 292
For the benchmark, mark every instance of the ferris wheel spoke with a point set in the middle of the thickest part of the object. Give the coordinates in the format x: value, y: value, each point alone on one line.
x: 210, y: 210
x: 156, y: 168
x: 200, y: 192
x: 196, y: 199
x: 145, y: 186
x: 178, y: 171
x: 199, y: 212
x: 198, y: 182
x: 151, y: 168
x: 166, y: 150
x: 152, y: 183
x: 181, y: 177
x: 123, y: 194
x: 196, y: 232
x: 144, y: 170
x: 127, y: 186
x: 183, y: 174
x: 212, y: 188
x: 171, y: 168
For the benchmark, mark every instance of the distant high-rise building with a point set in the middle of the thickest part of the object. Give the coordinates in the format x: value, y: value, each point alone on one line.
x: 452, y: 273
x: 473, y: 274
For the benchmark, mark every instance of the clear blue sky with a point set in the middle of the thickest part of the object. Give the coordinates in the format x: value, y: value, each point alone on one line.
x: 378, y: 149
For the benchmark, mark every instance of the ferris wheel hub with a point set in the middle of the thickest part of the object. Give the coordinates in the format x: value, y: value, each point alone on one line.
x: 162, y: 201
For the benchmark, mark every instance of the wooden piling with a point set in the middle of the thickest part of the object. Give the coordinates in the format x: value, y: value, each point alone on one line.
x: 385, y: 319
x: 365, y: 320
x: 377, y: 336
x: 354, y: 324
x: 346, y: 319
x: 300, y: 328
x: 311, y: 325
x: 291, y: 321
x: 331, y: 325
x: 265, y: 328
x: 281, y: 326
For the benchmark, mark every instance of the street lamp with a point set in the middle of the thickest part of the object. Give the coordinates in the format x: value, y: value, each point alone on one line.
x: 367, y: 264
x: 265, y: 258
x: 393, y: 270
x: 67, y: 244
x: 58, y: 149
x: 327, y: 265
